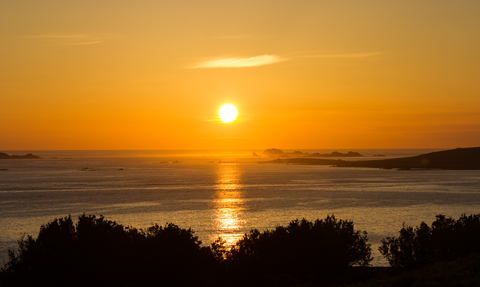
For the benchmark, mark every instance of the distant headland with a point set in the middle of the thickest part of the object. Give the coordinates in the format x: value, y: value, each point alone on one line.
x: 273, y: 152
x: 27, y: 156
x: 456, y: 159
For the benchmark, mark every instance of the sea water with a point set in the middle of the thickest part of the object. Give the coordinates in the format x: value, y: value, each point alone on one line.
x: 223, y: 195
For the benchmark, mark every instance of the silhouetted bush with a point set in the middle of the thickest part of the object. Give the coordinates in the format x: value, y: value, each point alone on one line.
x: 98, y: 252
x: 303, y: 251
x: 460, y: 272
x: 446, y: 240
x: 53, y: 251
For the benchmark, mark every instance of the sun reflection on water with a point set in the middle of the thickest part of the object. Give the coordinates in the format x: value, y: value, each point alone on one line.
x: 229, y: 203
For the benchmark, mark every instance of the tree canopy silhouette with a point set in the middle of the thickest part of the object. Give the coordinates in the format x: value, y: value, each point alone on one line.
x: 322, y: 249
x: 99, y: 252
x: 446, y: 240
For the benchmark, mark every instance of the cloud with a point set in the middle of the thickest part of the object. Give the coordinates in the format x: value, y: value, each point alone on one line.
x: 69, y: 39
x: 233, y: 37
x: 240, y: 62
x: 347, y: 55
x: 84, y: 43
x: 55, y: 36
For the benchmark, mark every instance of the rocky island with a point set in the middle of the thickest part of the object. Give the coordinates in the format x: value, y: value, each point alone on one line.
x: 456, y: 159
x: 273, y: 152
x: 27, y: 156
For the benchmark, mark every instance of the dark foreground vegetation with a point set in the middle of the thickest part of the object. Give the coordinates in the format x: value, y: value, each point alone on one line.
x: 445, y: 240
x: 98, y: 252
x: 329, y: 252
x: 460, y: 272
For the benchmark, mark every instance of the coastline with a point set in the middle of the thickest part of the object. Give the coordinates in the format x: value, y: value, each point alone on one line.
x: 456, y: 159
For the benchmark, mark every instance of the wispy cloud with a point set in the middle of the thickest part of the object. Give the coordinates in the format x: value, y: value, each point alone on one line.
x: 68, y: 39
x: 84, y: 43
x: 240, y: 62
x: 233, y: 37
x: 347, y: 55
x: 55, y: 36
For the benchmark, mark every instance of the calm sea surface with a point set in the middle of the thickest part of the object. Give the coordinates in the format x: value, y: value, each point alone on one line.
x: 223, y: 195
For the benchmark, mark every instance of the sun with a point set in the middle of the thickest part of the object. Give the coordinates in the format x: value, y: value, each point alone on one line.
x: 228, y: 113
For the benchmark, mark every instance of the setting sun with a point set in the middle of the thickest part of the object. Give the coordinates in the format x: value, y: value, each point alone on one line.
x: 228, y: 113
x: 233, y: 122
x: 157, y: 78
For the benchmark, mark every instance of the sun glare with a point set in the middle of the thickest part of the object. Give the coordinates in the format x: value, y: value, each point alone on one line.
x: 228, y: 113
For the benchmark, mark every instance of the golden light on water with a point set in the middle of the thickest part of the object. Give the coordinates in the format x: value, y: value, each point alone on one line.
x: 229, y: 203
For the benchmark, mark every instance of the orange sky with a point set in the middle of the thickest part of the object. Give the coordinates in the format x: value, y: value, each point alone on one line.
x: 303, y: 74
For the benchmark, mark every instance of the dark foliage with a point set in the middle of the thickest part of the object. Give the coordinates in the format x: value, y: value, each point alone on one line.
x: 461, y: 272
x: 446, y: 240
x: 303, y: 251
x: 98, y: 252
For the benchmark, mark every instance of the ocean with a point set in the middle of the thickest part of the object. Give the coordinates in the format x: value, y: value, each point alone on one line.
x: 224, y: 193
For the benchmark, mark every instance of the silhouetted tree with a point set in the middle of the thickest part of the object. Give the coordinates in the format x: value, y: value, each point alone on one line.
x: 446, y: 240
x: 99, y: 252
x: 319, y: 250
x: 53, y: 252
x: 174, y: 252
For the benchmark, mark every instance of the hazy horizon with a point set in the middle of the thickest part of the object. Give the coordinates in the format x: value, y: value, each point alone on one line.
x: 237, y: 155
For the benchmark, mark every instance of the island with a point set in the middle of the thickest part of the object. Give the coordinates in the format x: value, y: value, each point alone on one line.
x: 274, y: 152
x: 27, y: 156
x: 456, y: 159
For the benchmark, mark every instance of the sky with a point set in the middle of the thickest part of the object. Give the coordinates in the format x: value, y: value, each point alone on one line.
x: 121, y: 75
